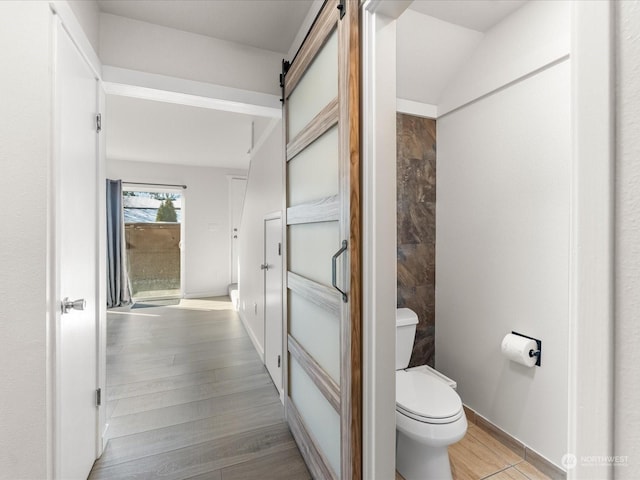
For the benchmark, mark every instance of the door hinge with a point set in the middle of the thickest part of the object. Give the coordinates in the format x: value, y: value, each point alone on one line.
x: 279, y: 249
x: 279, y: 359
x: 99, y: 122
x: 98, y: 397
x: 342, y: 6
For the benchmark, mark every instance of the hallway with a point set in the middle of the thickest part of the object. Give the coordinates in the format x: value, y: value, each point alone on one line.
x: 188, y: 397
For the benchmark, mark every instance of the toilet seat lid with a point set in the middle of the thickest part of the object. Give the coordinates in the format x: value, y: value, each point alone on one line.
x: 426, y: 396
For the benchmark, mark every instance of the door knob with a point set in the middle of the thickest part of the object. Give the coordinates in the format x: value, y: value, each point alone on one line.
x: 264, y: 266
x: 67, y: 304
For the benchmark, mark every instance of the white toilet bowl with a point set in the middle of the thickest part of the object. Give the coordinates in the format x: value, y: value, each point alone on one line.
x: 429, y: 414
x: 429, y: 418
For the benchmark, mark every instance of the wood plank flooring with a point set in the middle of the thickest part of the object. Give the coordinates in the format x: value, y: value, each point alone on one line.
x: 189, y: 398
x: 480, y: 456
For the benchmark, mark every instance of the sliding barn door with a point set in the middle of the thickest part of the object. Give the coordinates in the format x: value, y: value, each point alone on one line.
x: 321, y: 107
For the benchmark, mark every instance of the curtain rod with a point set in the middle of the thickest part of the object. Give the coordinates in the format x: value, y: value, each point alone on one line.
x: 184, y: 187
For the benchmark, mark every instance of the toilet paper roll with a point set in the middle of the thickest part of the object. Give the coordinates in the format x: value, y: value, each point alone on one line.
x: 517, y: 348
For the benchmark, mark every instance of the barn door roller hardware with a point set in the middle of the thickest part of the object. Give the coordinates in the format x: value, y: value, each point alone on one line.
x: 285, y: 68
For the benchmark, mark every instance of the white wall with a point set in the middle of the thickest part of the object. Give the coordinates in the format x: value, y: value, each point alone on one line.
x: 451, y: 55
x: 502, y: 233
x: 137, y: 45
x: 264, y: 196
x: 314, y: 9
x: 206, y: 216
x: 379, y: 252
x: 627, y: 353
x: 533, y: 36
x: 442, y: 48
x: 25, y: 151
x: 88, y: 15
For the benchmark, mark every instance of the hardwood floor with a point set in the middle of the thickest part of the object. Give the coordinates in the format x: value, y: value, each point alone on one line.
x: 189, y: 398
x: 480, y: 456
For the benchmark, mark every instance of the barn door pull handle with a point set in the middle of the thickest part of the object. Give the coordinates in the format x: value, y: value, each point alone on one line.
x: 334, y: 259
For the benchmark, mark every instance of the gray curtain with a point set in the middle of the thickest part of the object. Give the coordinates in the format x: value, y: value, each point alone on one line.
x: 118, y: 290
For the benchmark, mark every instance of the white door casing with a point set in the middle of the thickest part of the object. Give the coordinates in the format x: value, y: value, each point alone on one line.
x: 75, y: 214
x: 273, y: 299
x: 590, y: 388
x: 237, y: 187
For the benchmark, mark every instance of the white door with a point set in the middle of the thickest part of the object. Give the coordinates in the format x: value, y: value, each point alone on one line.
x: 273, y: 299
x: 236, y: 200
x: 76, y: 251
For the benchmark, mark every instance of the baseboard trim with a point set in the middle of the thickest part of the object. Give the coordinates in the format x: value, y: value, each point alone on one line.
x: 516, y: 446
x: 105, y: 437
x: 211, y: 293
x: 252, y: 336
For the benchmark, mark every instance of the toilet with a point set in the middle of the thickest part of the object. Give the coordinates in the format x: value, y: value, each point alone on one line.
x: 429, y: 413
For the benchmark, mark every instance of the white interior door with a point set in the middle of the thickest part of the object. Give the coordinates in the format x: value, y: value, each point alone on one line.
x: 236, y: 198
x: 76, y: 234
x: 273, y: 299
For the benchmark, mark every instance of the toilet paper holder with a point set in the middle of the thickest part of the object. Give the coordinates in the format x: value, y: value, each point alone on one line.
x: 533, y: 353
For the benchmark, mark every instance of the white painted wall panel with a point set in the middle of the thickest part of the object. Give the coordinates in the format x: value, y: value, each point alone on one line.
x: 443, y: 64
x: 25, y: 152
x: 264, y: 196
x: 88, y: 15
x: 429, y: 53
x: 137, y: 45
x: 531, y: 37
x: 502, y: 238
x: 627, y: 356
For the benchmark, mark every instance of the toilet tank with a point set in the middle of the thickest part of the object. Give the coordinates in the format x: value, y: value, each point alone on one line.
x: 406, y: 321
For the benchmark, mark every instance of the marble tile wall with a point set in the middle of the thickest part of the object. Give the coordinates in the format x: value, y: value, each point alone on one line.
x: 416, y: 229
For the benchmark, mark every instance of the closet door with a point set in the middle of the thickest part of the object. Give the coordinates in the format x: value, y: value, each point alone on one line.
x: 321, y: 111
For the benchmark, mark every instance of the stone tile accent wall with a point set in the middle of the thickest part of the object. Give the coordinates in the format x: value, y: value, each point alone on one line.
x: 416, y: 191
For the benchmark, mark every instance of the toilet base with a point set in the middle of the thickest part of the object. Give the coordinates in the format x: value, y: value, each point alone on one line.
x: 417, y: 461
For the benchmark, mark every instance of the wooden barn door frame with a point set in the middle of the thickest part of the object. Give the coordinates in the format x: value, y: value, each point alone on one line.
x: 347, y: 398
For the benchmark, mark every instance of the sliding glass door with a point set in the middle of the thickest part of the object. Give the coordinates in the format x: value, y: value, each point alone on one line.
x: 153, y: 237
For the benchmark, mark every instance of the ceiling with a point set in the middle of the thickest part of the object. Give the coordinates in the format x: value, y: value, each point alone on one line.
x: 270, y: 25
x: 143, y: 130
x: 443, y: 35
x: 479, y: 15
x: 149, y: 131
